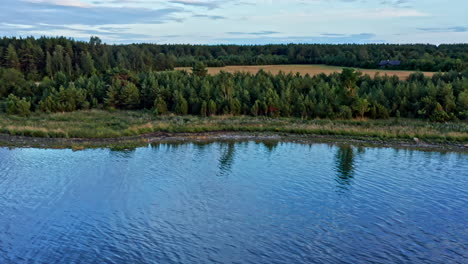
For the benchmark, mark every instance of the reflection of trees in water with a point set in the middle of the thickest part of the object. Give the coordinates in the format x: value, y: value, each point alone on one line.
x: 166, y: 146
x: 200, y: 146
x: 270, y: 145
x: 122, y: 152
x: 228, y: 151
x: 344, y: 160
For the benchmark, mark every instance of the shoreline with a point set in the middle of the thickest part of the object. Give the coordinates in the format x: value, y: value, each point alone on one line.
x: 130, y: 142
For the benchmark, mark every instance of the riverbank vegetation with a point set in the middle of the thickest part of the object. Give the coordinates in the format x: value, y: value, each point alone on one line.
x: 106, y: 124
x: 346, y: 95
x: 60, y: 88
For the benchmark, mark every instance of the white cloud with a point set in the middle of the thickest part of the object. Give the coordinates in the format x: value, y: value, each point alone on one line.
x: 387, y: 13
x: 75, y: 3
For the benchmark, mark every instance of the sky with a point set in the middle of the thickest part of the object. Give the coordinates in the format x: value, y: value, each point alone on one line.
x: 239, y: 21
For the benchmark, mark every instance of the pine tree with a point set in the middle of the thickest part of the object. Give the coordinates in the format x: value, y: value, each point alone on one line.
x: 49, y: 67
x: 199, y: 69
x: 204, y: 109
x: 11, y: 58
x: 212, y: 108
x: 87, y: 64
x: 160, y: 106
x: 68, y: 65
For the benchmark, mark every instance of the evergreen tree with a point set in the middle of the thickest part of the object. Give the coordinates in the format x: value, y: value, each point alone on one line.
x: 160, y: 106
x: 87, y: 64
x: 11, y: 58
x: 199, y: 69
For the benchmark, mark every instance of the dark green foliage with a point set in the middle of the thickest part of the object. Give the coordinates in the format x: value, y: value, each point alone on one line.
x: 439, y: 114
x: 46, y: 56
x: 443, y: 97
x: 61, y: 75
x: 11, y: 58
x: 180, y: 104
x: 199, y: 69
x: 361, y: 106
x: 123, y: 94
x: 160, y: 106
x: 16, y: 106
x: 64, y: 100
x: 345, y: 112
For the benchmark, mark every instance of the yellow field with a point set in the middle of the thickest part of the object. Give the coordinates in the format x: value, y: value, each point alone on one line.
x: 302, y: 69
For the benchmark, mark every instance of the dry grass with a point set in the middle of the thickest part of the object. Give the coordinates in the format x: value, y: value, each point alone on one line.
x: 303, y: 70
x: 103, y: 124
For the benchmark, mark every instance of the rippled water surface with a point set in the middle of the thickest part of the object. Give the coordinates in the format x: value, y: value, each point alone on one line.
x: 233, y: 203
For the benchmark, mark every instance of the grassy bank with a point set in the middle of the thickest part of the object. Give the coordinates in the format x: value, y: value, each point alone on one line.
x: 104, y: 124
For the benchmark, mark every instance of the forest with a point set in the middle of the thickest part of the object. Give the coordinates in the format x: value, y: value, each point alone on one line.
x: 61, y: 75
x: 342, y: 95
x: 44, y: 56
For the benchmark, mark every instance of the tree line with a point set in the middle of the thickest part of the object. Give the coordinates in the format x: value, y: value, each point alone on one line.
x: 343, y: 95
x: 45, y: 56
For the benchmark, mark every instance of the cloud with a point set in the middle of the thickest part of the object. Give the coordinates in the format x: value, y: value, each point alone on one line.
x: 396, y: 3
x: 335, y: 39
x: 445, y: 29
x: 383, y: 13
x: 78, y: 31
x: 75, y: 3
x: 237, y: 21
x: 258, y: 33
x: 332, y: 35
x: 47, y: 12
x: 214, y: 17
x: 199, y: 3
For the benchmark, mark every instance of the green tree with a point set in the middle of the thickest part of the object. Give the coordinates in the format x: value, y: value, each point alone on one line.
x: 204, y: 109
x: 87, y: 64
x: 349, y: 78
x: 123, y: 94
x: 160, y: 106
x: 439, y: 114
x: 49, y: 67
x: 181, y: 105
x: 361, y: 106
x: 16, y: 106
x: 199, y: 69
x: 11, y: 58
x: 212, y: 108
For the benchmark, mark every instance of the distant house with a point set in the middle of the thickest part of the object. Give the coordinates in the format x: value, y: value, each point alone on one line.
x: 389, y: 63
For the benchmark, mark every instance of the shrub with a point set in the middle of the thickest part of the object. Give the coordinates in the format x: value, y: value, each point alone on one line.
x: 16, y: 106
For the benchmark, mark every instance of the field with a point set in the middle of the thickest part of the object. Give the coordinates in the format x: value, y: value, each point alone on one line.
x: 105, y: 124
x: 302, y: 69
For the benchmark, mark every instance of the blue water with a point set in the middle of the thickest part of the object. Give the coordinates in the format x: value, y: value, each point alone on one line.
x: 233, y: 203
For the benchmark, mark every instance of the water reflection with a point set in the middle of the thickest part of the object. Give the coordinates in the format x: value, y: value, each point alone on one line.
x: 270, y: 145
x: 228, y: 150
x: 59, y: 206
x: 344, y: 160
x: 125, y: 153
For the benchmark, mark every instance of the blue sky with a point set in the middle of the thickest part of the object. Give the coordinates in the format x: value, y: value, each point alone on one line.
x: 240, y: 21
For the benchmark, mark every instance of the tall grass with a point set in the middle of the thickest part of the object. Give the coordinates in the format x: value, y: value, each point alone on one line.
x: 105, y: 124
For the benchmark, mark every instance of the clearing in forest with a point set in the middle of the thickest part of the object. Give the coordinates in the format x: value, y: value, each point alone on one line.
x: 304, y: 69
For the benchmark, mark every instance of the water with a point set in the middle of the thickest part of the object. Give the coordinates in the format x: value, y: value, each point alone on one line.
x: 233, y: 203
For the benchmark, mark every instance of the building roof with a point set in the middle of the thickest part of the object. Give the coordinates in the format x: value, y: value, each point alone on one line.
x: 390, y: 62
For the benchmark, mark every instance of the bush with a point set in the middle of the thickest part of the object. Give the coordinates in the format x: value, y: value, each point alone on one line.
x: 439, y: 115
x: 345, y: 112
x: 16, y: 106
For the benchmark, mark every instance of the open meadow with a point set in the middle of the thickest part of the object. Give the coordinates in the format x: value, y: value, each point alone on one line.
x: 303, y: 70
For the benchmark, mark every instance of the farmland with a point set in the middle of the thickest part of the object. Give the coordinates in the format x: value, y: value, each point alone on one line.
x: 303, y: 70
